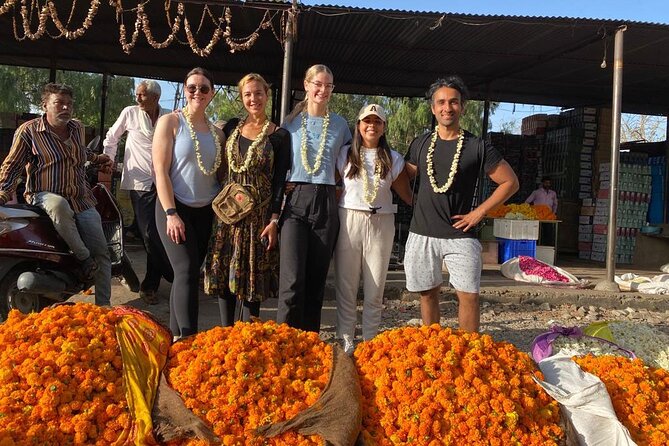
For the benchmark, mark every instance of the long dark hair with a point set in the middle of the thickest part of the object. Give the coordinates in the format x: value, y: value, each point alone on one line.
x: 382, y: 152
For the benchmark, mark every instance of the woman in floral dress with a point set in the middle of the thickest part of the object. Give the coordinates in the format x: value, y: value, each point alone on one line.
x: 243, y: 263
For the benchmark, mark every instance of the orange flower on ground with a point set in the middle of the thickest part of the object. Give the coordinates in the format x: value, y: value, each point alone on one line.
x: 436, y: 386
x: 242, y: 377
x: 61, y: 378
x: 640, y: 395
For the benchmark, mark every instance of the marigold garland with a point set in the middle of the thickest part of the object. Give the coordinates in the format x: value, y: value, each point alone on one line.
x: 61, y: 378
x: 242, y: 377
x: 640, y: 395
x: 434, y: 386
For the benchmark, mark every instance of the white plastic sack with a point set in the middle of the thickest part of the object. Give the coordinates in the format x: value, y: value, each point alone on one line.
x: 633, y: 282
x: 665, y: 268
x: 585, y: 402
x: 511, y: 269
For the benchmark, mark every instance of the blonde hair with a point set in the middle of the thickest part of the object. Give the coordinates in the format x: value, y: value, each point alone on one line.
x: 311, y: 72
x: 250, y: 78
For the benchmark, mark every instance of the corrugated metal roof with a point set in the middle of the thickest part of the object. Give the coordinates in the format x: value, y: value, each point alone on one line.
x: 541, y: 60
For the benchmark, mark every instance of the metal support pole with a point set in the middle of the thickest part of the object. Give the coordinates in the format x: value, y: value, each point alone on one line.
x: 286, y: 76
x: 609, y: 283
x: 103, y: 104
x: 486, y: 117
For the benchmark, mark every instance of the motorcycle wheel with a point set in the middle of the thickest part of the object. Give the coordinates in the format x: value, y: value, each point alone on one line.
x: 11, y: 298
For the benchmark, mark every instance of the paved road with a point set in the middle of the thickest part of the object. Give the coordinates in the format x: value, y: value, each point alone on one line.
x: 495, y: 288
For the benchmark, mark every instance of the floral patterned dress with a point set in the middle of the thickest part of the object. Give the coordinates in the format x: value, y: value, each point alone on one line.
x: 237, y: 263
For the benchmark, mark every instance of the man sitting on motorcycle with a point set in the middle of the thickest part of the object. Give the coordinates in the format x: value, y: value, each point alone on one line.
x: 52, y: 150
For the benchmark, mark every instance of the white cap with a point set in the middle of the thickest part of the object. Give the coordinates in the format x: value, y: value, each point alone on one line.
x: 372, y: 109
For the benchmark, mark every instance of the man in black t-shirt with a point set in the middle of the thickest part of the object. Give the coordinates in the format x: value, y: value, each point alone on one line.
x: 447, y: 162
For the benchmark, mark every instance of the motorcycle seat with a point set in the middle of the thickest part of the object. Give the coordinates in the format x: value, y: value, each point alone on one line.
x: 20, y: 211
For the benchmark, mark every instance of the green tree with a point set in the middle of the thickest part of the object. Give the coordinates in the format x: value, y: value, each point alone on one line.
x: 22, y: 88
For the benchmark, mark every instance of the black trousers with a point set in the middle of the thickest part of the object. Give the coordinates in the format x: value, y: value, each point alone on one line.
x: 186, y: 259
x: 310, y: 224
x: 157, y: 264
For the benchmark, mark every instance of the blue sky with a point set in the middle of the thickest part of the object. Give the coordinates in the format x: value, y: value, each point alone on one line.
x: 653, y: 11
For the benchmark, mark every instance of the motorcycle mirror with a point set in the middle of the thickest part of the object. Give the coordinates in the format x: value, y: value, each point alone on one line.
x: 93, y: 144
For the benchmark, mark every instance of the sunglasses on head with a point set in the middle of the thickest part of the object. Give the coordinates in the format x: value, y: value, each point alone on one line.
x: 204, y: 89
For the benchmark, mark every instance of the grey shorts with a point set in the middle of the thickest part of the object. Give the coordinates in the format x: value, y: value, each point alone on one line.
x: 423, y: 263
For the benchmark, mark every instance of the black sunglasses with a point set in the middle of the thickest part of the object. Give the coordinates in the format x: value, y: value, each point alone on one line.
x: 204, y: 89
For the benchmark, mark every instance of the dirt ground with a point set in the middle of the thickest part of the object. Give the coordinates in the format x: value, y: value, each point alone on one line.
x: 510, y: 311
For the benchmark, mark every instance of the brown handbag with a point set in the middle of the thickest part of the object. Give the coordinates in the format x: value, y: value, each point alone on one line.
x: 233, y: 203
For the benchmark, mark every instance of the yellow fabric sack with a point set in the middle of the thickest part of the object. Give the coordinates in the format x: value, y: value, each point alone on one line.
x: 144, y: 345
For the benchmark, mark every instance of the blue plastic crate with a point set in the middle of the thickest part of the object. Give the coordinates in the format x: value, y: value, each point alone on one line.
x: 507, y: 249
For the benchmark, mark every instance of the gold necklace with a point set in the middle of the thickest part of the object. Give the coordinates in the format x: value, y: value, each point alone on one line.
x: 321, y: 149
x: 370, y: 196
x: 234, y: 140
x: 454, y: 165
x: 196, y: 144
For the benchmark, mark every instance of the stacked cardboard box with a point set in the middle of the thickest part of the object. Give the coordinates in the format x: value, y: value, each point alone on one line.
x: 634, y: 186
x: 522, y: 153
x: 657, y: 173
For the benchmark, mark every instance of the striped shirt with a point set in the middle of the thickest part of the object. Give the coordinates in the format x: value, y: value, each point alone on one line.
x: 52, y: 165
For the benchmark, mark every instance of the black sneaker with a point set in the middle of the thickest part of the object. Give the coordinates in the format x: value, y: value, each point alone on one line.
x: 88, y: 268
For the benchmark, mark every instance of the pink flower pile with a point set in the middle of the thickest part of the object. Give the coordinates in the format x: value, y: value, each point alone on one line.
x: 533, y: 267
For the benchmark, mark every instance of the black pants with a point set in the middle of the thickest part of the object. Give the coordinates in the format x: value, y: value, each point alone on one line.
x: 232, y: 309
x: 310, y: 224
x: 186, y: 259
x: 157, y: 264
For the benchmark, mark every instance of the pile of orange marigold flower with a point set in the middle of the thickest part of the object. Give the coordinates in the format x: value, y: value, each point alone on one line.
x: 61, y: 378
x: 242, y: 377
x: 522, y: 211
x: 435, y: 386
x: 640, y: 395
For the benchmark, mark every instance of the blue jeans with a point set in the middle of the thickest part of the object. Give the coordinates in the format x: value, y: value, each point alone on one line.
x: 84, y: 235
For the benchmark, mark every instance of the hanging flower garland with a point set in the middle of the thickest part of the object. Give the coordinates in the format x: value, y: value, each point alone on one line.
x: 25, y: 16
x: 233, y: 142
x: 6, y: 6
x: 196, y: 144
x: 88, y: 21
x: 370, y: 196
x: 321, y: 148
x: 454, y: 165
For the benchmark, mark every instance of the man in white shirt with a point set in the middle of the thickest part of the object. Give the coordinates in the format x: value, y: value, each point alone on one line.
x: 137, y: 177
x: 544, y: 195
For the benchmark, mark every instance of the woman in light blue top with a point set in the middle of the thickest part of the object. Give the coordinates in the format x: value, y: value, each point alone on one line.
x: 309, y: 222
x: 186, y: 157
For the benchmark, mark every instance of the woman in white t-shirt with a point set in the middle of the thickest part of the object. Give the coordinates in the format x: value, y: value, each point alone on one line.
x: 369, y: 169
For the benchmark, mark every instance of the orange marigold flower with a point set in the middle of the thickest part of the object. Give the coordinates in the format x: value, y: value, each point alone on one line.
x: 239, y: 378
x: 57, y: 402
x: 640, y: 395
x: 471, y: 390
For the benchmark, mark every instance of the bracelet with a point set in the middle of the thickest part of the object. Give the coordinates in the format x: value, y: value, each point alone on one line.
x: 170, y: 211
x: 275, y: 221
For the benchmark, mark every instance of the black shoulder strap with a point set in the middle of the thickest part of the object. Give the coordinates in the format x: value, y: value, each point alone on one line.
x: 478, y: 192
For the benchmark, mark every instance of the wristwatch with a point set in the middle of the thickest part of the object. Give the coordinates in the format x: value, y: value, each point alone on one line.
x: 170, y: 211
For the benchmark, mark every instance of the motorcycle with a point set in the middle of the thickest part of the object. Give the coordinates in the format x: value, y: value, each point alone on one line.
x: 37, y: 268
